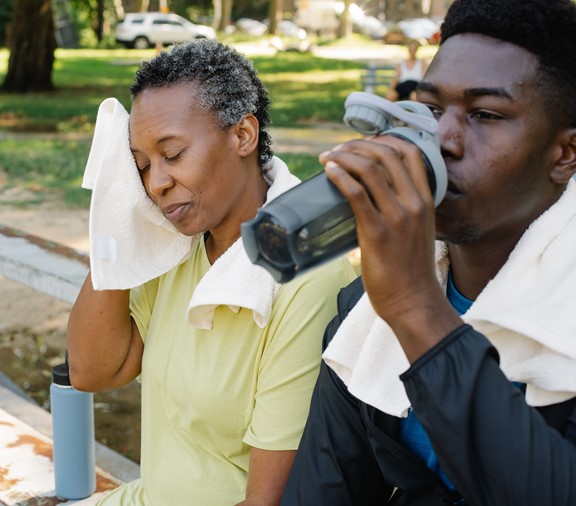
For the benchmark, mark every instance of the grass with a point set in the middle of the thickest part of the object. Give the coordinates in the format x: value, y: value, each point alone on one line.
x: 305, y: 90
x: 45, y: 169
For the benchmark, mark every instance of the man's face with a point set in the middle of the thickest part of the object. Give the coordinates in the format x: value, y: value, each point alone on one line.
x: 495, y: 138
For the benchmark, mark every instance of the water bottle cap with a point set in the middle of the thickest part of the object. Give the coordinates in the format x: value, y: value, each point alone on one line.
x: 60, y: 375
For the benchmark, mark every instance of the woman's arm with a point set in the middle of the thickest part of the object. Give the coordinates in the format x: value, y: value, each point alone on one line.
x: 267, y: 476
x: 392, y: 94
x: 104, y: 345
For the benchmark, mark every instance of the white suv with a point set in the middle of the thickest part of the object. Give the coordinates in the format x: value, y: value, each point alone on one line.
x: 144, y: 29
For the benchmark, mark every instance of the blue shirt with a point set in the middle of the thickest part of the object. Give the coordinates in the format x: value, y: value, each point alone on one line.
x: 413, y: 435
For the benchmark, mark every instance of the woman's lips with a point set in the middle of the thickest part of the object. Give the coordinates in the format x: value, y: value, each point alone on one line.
x: 176, y: 212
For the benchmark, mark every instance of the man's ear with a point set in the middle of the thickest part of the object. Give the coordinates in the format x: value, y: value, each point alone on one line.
x: 565, y: 166
x: 247, y: 133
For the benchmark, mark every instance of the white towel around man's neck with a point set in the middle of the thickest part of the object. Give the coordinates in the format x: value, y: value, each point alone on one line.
x: 526, y: 311
x: 233, y: 280
x: 131, y: 241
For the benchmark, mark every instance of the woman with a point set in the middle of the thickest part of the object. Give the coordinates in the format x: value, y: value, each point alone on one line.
x: 408, y: 74
x: 225, y: 394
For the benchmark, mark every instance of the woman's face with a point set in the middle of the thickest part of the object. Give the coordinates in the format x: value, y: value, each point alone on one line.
x: 191, y: 167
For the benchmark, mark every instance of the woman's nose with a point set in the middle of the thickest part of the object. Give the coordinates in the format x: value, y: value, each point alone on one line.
x: 158, y: 180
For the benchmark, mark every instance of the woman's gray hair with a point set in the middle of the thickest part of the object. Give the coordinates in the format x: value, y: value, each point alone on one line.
x: 226, y: 83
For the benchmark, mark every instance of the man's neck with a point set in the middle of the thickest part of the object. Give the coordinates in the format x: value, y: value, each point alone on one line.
x: 473, y: 267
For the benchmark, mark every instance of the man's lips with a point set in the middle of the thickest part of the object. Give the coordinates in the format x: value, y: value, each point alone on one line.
x: 452, y: 191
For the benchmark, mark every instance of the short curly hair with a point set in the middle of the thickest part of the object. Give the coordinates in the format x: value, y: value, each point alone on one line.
x: 546, y: 28
x: 226, y: 83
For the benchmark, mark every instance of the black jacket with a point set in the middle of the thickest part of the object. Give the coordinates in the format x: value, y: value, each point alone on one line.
x: 494, y: 447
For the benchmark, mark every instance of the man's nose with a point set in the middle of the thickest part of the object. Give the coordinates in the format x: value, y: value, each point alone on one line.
x: 451, y: 126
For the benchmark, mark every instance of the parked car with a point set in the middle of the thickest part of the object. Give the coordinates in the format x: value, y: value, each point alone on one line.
x: 145, y: 29
x: 251, y: 26
x: 371, y: 26
x: 287, y: 28
x: 421, y: 29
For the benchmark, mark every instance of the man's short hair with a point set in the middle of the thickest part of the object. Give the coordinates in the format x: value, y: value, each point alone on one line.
x: 546, y: 28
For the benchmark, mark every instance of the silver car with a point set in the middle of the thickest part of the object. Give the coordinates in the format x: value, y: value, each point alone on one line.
x: 145, y: 29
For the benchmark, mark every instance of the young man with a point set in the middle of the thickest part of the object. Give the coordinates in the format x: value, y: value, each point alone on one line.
x: 453, y: 379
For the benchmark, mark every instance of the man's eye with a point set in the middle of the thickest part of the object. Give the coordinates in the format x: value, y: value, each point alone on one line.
x: 144, y: 169
x: 436, y: 111
x: 486, y: 115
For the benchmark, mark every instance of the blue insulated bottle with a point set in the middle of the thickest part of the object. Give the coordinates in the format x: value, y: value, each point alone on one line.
x: 73, y: 437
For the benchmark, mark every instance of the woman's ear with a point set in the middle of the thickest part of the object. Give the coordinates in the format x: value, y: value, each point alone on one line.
x: 565, y: 166
x: 247, y: 133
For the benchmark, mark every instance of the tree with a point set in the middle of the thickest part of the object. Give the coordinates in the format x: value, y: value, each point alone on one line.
x: 344, y: 21
x: 222, y: 14
x: 5, y: 16
x: 32, y: 44
x: 274, y: 15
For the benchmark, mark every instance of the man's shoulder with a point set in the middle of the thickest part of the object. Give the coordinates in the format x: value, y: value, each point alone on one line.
x: 349, y: 296
x: 347, y: 299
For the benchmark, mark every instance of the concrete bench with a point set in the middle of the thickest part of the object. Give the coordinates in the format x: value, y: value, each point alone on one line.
x: 376, y: 78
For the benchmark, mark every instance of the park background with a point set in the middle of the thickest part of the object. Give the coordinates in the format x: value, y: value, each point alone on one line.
x: 45, y: 135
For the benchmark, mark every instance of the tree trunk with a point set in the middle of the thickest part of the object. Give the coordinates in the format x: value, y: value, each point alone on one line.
x: 345, y: 22
x: 100, y: 20
x: 274, y: 15
x: 32, y: 45
x: 119, y: 8
x: 225, y: 14
x: 217, y: 23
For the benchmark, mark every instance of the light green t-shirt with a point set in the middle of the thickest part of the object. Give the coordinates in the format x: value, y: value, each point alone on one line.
x: 210, y: 395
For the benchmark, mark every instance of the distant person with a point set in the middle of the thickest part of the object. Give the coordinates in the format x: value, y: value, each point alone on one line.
x: 226, y: 388
x: 409, y: 73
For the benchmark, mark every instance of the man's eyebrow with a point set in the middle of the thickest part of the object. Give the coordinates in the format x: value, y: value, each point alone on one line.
x: 493, y: 92
x: 425, y: 86
x: 468, y: 93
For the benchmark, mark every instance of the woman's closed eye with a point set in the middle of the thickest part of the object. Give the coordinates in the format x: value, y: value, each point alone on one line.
x: 174, y: 158
x: 142, y: 166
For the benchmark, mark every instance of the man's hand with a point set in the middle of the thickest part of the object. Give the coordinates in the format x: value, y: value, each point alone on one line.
x: 384, y: 180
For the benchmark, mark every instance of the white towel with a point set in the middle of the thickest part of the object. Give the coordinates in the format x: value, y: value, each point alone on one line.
x: 526, y: 311
x: 233, y: 280
x: 131, y: 241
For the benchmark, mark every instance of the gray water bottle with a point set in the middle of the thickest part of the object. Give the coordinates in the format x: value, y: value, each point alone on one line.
x: 73, y: 437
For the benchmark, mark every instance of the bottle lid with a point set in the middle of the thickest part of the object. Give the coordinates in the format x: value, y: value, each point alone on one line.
x: 60, y: 375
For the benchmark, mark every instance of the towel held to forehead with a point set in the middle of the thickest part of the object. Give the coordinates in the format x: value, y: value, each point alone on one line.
x: 132, y: 242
